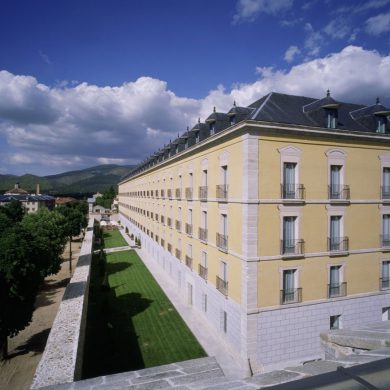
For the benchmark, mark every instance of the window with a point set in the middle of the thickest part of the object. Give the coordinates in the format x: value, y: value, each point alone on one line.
x: 386, y: 230
x: 189, y: 294
x: 385, y: 275
x: 386, y: 183
x: 232, y: 120
x: 289, y: 180
x: 224, y: 172
x: 335, y: 181
x: 203, y: 266
x: 289, y: 239
x: 222, y: 279
x: 223, y: 271
x: 289, y: 286
x: 212, y: 128
x: 386, y: 314
x: 336, y: 287
x: 335, y: 322
x: 204, y: 302
x: 336, y: 241
x: 331, y: 118
x: 204, y: 259
x: 224, y: 321
x: 203, y: 227
x: 197, y: 138
x: 381, y: 124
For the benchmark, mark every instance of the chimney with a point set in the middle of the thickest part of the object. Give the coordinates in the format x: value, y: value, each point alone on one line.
x: 16, y: 186
x: 38, y: 189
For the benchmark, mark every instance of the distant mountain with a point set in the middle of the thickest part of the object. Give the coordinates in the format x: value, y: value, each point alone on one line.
x: 87, y: 180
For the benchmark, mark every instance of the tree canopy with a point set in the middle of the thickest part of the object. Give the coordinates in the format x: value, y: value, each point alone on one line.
x: 107, y: 198
x: 30, y: 249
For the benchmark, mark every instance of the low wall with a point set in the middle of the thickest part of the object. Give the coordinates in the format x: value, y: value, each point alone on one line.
x: 62, y: 358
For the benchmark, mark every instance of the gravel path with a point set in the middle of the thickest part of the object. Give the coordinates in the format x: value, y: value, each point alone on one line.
x: 25, y: 349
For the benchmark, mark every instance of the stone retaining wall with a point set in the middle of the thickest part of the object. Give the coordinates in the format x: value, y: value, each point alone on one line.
x: 61, y: 361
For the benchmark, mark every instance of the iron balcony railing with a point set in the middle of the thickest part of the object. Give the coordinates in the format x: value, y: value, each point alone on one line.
x: 203, y: 272
x: 203, y: 192
x: 292, y: 247
x: 178, y: 253
x: 178, y: 193
x: 222, y: 241
x: 222, y: 191
x: 189, y: 262
x: 170, y: 248
x: 385, y: 240
x: 339, y: 192
x: 293, y: 191
x: 293, y: 295
x: 189, y: 193
x: 384, y: 283
x: 169, y: 194
x: 337, y: 290
x: 338, y: 244
x: 189, y: 229
x: 385, y: 191
x: 178, y: 225
x: 222, y: 286
x: 169, y: 222
x: 202, y: 234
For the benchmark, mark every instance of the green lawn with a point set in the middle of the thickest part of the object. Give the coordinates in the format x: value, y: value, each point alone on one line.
x: 131, y: 323
x: 112, y: 239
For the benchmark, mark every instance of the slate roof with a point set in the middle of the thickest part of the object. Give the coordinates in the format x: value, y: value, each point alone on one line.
x: 26, y: 198
x: 284, y: 109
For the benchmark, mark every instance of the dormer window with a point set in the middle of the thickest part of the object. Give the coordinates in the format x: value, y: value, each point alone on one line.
x: 212, y: 128
x: 197, y: 139
x: 232, y: 120
x: 331, y: 118
x: 177, y: 149
x: 186, y: 143
x: 381, y: 124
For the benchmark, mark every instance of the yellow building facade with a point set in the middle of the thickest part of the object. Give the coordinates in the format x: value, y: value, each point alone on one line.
x: 273, y: 222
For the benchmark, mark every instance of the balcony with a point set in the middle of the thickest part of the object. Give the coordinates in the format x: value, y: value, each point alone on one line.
x: 169, y: 222
x: 385, y: 192
x: 384, y: 283
x: 222, y: 191
x: 203, y: 234
x: 178, y: 225
x: 292, y: 247
x: 157, y: 217
x: 339, y: 192
x: 189, y: 193
x: 338, y: 244
x: 189, y: 262
x: 203, y: 272
x: 385, y: 241
x: 162, y: 219
x: 222, y: 241
x: 337, y: 290
x: 178, y: 193
x: 203, y: 193
x: 169, y: 194
x: 169, y: 248
x: 189, y: 229
x: 293, y: 295
x: 292, y: 191
x: 163, y: 194
x: 178, y: 253
x: 222, y: 286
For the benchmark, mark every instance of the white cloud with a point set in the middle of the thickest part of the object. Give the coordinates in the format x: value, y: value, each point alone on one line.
x: 313, y: 40
x: 47, y: 130
x: 379, y: 24
x: 248, y: 10
x: 290, y: 53
x: 338, y: 28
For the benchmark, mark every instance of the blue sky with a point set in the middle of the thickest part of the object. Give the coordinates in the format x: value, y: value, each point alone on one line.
x: 90, y: 82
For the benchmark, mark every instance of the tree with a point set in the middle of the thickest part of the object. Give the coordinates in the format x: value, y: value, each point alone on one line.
x: 107, y: 198
x: 20, y: 278
x: 29, y: 251
x: 13, y: 210
x: 75, y: 220
x: 49, y: 238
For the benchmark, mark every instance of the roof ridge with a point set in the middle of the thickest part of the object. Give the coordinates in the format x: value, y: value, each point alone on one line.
x: 261, y: 107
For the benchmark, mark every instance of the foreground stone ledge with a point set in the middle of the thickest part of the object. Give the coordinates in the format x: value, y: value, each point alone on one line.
x: 61, y: 361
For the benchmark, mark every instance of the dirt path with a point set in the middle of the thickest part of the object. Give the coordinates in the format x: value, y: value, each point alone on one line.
x: 25, y: 350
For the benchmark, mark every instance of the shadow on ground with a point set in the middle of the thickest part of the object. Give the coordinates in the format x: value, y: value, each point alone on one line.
x: 36, y: 344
